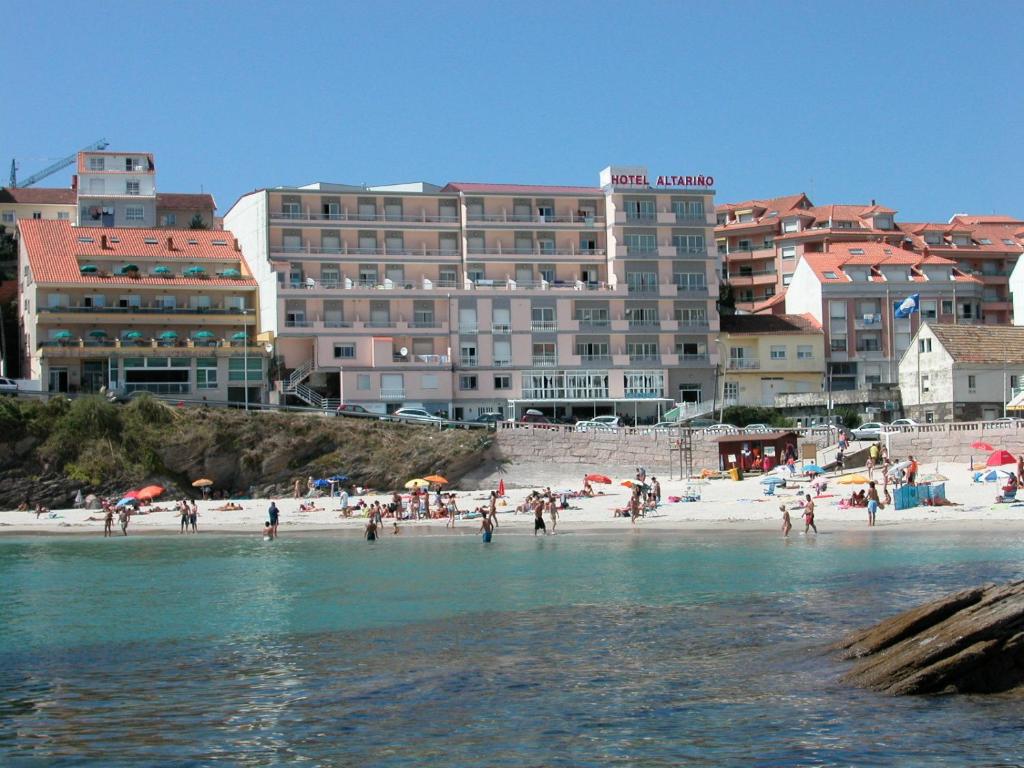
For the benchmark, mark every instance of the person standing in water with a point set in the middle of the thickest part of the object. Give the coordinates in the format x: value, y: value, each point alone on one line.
x: 274, y: 515
x: 371, y: 529
x: 787, y: 525
x: 538, y: 516
x: 486, y: 528
x: 108, y: 522
x: 872, y: 503
x: 809, y: 515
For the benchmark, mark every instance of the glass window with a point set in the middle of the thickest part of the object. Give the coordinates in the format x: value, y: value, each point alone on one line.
x: 929, y: 309
x: 363, y: 381
x: 206, y: 373
x: 804, y: 352
x: 242, y: 369
x: 972, y: 383
x: 134, y: 213
x: 344, y: 351
x: 503, y: 382
x: 467, y: 381
x: 778, y: 352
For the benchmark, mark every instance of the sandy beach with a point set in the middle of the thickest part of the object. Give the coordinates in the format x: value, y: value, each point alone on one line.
x: 724, y: 505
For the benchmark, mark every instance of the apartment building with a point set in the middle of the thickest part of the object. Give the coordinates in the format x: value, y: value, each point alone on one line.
x: 467, y: 298
x: 852, y: 289
x: 35, y: 203
x: 172, y: 312
x: 762, y: 241
x: 116, y: 189
x: 768, y: 355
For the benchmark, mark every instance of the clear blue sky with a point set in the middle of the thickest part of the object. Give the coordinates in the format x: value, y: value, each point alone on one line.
x: 915, y: 104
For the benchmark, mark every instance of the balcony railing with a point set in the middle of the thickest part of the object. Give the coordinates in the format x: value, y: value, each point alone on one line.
x: 468, y: 328
x: 501, y: 329
x: 693, y: 357
x: 544, y: 361
x: 692, y: 219
x: 421, y: 218
x: 594, y: 323
x: 536, y: 252
x: 744, y: 364
x: 603, y: 359
x: 542, y: 325
x: 158, y: 388
x: 686, y: 252
x: 392, y: 394
x: 347, y: 250
x: 644, y: 357
x: 579, y: 217
x: 150, y: 309
x: 469, y: 362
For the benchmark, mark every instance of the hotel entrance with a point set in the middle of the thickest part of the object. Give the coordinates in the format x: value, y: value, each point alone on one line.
x: 94, y: 375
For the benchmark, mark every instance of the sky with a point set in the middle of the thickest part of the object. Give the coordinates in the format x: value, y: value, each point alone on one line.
x: 914, y: 104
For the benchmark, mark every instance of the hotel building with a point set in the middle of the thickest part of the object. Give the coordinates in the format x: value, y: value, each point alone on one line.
x: 172, y: 312
x: 471, y: 298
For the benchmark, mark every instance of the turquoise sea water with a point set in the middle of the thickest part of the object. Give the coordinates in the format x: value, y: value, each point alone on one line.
x: 575, y: 650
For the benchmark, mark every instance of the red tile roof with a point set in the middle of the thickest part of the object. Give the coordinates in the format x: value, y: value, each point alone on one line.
x: 781, y: 204
x: 964, y: 218
x: 38, y: 196
x: 763, y: 324
x: 83, y: 166
x: 56, y: 251
x: 519, y: 189
x: 875, y: 255
x: 181, y: 201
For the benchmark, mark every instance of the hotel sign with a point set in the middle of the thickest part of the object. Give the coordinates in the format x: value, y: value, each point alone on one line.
x: 637, y: 177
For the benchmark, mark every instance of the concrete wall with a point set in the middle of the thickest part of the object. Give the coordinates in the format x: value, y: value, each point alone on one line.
x: 952, y: 442
x: 623, y: 449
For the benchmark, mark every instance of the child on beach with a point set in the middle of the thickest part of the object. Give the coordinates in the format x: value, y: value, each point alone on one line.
x: 787, y: 526
x: 268, y: 531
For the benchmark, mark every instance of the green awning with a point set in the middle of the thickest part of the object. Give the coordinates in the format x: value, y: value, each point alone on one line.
x: 88, y: 269
x: 168, y: 335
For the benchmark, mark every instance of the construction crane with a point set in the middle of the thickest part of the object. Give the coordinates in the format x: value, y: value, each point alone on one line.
x: 52, y: 169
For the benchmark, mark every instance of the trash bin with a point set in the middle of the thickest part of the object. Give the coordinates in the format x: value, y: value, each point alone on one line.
x: 736, y: 473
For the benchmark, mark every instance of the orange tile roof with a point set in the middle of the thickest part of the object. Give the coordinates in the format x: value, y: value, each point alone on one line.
x: 55, y: 252
x: 964, y: 218
x: 183, y: 201
x: 38, y: 196
x: 781, y: 204
x: 768, y: 324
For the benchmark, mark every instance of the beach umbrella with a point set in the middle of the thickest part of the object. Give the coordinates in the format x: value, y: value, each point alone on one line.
x: 169, y: 335
x: 161, y: 270
x: 627, y: 483
x: 936, y: 477
x: 501, y: 487
x: 98, y: 334
x: 439, y: 479
x: 417, y: 482
x: 128, y: 501
x: 128, y: 268
x: 231, y: 272
x: 133, y: 335
x: 88, y: 269
x: 195, y: 270
x: 150, y: 492
x: 853, y: 480
x: 895, y: 468
x: 321, y: 483
x: 773, y: 480
x: 202, y: 483
x: 1000, y: 458
x: 62, y: 335
x: 981, y: 445
x: 203, y: 335
x: 812, y: 469
x: 239, y: 336
x: 338, y: 478
x: 603, y: 479
x: 132, y: 495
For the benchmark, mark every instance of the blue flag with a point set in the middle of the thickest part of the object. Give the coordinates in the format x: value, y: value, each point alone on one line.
x: 908, y: 306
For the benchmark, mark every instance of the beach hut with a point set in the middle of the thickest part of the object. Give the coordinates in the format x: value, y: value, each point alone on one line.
x: 754, y: 451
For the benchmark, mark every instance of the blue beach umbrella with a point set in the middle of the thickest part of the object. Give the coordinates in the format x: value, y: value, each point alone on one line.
x: 169, y: 335
x: 133, y: 335
x: 195, y: 270
x: 773, y: 480
x: 203, y: 335
x: 98, y: 334
x: 321, y: 483
x: 88, y: 269
x: 339, y: 478
x: 240, y: 336
x: 812, y: 468
x: 127, y: 501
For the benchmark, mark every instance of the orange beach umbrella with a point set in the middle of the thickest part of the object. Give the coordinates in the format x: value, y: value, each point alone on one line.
x: 440, y: 480
x: 603, y: 479
x: 151, y: 491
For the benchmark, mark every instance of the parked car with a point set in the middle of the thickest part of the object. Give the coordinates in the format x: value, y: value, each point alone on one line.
x: 8, y: 387
x: 667, y: 425
x: 590, y: 426
x: 420, y: 415
x: 612, y: 421
x: 758, y: 428
x: 535, y: 417
x: 349, y: 409
x: 491, y: 417
x: 871, y: 430
x: 1004, y: 420
x: 904, y: 423
x: 718, y: 428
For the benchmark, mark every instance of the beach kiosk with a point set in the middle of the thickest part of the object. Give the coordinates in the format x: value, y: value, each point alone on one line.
x: 754, y: 451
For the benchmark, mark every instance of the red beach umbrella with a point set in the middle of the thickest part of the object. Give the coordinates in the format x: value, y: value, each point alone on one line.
x: 131, y: 495
x: 151, y: 492
x: 603, y: 479
x: 1000, y: 459
x: 981, y: 445
x: 501, y: 487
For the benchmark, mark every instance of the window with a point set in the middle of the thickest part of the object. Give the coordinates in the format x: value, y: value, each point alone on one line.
x: 831, y: 275
x: 429, y: 381
x: 134, y: 213
x: 467, y: 381
x: 967, y: 310
x: 925, y: 382
x: 245, y: 369
x: 929, y: 309
x: 947, y: 307
x: 787, y: 279
x: 778, y: 352
x: 131, y: 187
x: 542, y: 318
x: 169, y: 220
x: 689, y: 243
x: 731, y: 390
x: 7, y: 217
x: 972, y: 384
x: 924, y: 345
x: 467, y: 355
x: 790, y: 225
x: 503, y: 382
x: 206, y: 373
x: 804, y: 352
x: 97, y: 163
x: 640, y: 243
x: 344, y: 351
x: 363, y: 381
x: 37, y: 214
x: 837, y: 344
x: 592, y: 316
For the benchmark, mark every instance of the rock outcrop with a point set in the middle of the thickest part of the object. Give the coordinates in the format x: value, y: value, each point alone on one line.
x: 968, y: 642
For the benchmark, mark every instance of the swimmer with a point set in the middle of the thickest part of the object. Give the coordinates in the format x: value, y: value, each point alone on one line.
x: 787, y: 525
x: 371, y: 529
x: 268, y: 531
x: 486, y: 528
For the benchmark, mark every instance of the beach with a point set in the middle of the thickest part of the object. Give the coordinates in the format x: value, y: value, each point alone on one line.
x: 724, y: 505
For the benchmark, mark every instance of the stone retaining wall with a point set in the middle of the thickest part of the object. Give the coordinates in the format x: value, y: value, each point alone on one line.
x: 952, y: 442
x: 614, y: 449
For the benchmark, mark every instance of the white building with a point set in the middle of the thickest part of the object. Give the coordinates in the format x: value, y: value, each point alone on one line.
x: 116, y: 189
x: 961, y: 372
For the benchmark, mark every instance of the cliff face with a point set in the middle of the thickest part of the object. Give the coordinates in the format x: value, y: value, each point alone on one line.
x: 49, y: 451
x: 968, y: 642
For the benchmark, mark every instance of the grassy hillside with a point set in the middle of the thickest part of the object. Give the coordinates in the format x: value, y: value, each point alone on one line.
x: 51, y: 449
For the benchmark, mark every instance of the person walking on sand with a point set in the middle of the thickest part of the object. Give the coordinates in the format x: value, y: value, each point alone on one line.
x: 297, y: 489
x: 912, y: 471
x: 634, y: 506
x: 809, y: 515
x: 486, y: 529
x: 787, y: 525
x: 108, y: 522
x: 193, y: 517
x: 123, y: 519
x: 656, y: 490
x: 872, y: 503
x: 492, y: 508
x: 274, y: 515
x: 549, y: 502
x: 1020, y: 469
x: 452, y: 509
x: 183, y: 511
x: 538, y: 516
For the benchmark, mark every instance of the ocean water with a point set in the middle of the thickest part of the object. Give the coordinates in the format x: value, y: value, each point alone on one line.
x: 572, y: 650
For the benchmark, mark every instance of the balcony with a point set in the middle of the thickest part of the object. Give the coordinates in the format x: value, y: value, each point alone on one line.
x: 469, y: 362
x: 544, y: 361
x: 689, y: 220
x: 868, y: 322
x: 684, y: 252
x: 693, y: 357
x: 543, y: 325
x: 150, y: 309
x: 537, y: 253
x: 601, y: 359
x: 736, y: 253
x: 644, y: 358
x: 392, y: 394
x: 364, y: 218
x: 755, y: 277
x: 574, y: 218
x: 468, y: 328
x: 594, y: 323
x: 147, y: 348
x: 316, y: 252
x: 744, y: 364
x: 501, y: 329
